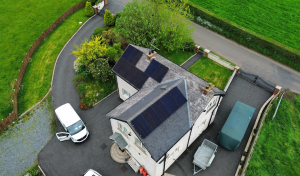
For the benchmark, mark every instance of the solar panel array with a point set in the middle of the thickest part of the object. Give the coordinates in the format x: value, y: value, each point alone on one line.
x: 125, y: 67
x: 158, y: 112
x: 156, y: 70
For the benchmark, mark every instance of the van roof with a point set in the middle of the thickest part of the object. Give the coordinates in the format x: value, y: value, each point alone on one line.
x: 67, y: 114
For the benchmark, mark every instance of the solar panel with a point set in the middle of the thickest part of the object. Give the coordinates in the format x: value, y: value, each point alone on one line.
x: 141, y: 126
x: 177, y: 96
x: 151, y: 69
x: 169, y: 103
x: 160, y: 73
x: 140, y: 79
x: 162, y: 112
x: 128, y: 52
x: 151, y: 117
x: 135, y: 57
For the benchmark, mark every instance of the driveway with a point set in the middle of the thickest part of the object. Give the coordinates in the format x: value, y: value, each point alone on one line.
x: 225, y: 162
x: 247, y: 59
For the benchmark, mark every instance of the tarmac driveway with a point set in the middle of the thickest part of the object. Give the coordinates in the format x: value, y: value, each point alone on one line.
x: 225, y: 162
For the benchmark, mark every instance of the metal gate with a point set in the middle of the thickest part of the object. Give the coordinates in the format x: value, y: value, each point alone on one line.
x: 255, y: 79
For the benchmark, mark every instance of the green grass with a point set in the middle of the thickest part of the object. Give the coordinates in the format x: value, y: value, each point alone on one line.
x: 38, y: 75
x: 177, y: 57
x: 277, y: 151
x: 211, y: 72
x: 275, y: 19
x: 102, y: 88
x: 21, y: 23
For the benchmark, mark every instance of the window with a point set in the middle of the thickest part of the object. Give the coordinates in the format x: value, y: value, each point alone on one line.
x: 139, y: 143
x: 126, y: 93
x: 211, y: 105
x: 172, y: 153
x: 122, y: 128
x: 201, y: 125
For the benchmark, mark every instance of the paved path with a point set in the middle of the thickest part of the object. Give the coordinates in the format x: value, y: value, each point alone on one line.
x: 192, y: 60
x: 247, y: 59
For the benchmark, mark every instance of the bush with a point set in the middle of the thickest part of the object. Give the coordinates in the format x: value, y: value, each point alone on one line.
x: 89, y: 11
x: 110, y: 37
x: 78, y: 79
x: 81, y: 88
x: 93, y: 2
x: 100, y: 69
x: 98, y: 31
x: 118, y: 15
x: 108, y: 18
x: 188, y: 45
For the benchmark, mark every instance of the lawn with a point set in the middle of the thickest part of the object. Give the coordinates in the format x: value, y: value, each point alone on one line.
x: 21, y: 23
x: 277, y: 151
x: 275, y: 19
x: 211, y: 72
x: 178, y: 57
x: 38, y: 75
x: 97, y: 90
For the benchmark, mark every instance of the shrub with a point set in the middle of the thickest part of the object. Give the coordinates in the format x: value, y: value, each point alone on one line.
x: 89, y: 11
x: 108, y: 18
x: 110, y: 37
x: 118, y: 15
x: 81, y: 88
x: 77, y: 66
x: 100, y: 69
x: 78, y: 79
x: 98, y: 31
x: 93, y: 2
x: 117, y: 46
x: 188, y: 45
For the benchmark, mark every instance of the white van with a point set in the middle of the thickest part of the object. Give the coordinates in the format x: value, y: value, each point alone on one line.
x: 76, y: 130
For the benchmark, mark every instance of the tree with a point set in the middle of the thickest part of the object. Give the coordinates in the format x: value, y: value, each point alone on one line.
x: 89, y: 11
x: 165, y: 20
x: 108, y: 18
x: 88, y: 52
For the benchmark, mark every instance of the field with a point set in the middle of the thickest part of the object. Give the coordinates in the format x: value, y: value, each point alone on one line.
x: 277, y: 151
x: 21, y: 23
x: 275, y: 19
x: 38, y: 75
x: 214, y: 72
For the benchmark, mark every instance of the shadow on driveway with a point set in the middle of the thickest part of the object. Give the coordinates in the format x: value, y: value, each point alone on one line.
x: 225, y: 162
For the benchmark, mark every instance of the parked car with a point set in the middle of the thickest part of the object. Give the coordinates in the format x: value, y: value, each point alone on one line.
x: 91, y: 172
x: 74, y: 126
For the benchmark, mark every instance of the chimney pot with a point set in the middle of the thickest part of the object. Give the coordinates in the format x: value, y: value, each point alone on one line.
x: 207, y: 88
x: 151, y: 55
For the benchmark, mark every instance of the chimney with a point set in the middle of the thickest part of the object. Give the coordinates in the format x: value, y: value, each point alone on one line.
x: 151, y: 55
x: 207, y: 88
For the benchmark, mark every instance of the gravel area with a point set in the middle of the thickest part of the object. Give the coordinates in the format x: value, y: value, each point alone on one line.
x: 21, y: 143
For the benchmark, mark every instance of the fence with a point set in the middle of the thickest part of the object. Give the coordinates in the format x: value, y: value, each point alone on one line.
x: 8, y: 120
x: 267, y: 85
x: 220, y: 61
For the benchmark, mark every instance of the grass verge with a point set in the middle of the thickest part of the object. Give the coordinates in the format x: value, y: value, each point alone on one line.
x: 277, y: 151
x: 177, y: 57
x: 21, y: 23
x: 38, y: 75
x: 211, y: 72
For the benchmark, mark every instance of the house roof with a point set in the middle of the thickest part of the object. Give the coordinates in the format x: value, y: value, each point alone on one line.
x: 167, y: 133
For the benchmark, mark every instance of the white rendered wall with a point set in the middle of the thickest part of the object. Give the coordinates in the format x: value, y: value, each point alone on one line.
x: 182, y: 144
x: 123, y: 85
x: 144, y: 158
x: 196, y: 131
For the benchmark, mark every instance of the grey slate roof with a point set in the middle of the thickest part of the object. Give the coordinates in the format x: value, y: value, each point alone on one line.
x: 159, y: 141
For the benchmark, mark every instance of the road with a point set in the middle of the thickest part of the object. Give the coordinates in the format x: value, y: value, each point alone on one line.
x: 247, y: 59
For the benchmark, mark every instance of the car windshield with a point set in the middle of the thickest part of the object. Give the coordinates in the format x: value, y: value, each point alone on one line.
x: 76, y: 127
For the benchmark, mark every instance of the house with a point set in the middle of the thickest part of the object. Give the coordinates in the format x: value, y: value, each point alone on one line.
x: 165, y: 108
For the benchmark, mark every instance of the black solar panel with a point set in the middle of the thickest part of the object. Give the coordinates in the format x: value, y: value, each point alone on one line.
x: 135, y: 57
x: 151, y: 69
x: 158, y: 112
x: 177, y: 96
x: 130, y: 73
x: 128, y: 52
x: 160, y: 73
x: 141, y: 126
x: 169, y: 103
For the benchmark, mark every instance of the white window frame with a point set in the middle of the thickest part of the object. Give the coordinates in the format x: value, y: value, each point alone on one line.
x: 125, y: 93
x: 140, y: 144
x: 202, y: 124
x: 172, y: 153
x: 210, y: 105
x: 122, y: 128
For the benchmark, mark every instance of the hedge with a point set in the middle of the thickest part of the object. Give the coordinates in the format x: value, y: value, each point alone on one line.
x: 266, y: 46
